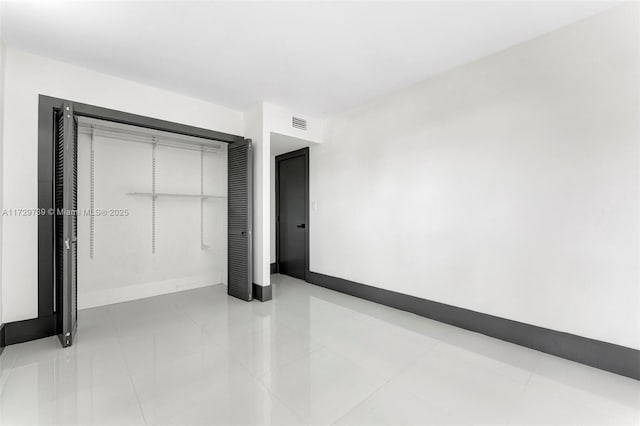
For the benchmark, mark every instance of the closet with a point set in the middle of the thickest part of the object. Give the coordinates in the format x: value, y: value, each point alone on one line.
x: 152, y: 212
x: 136, y: 206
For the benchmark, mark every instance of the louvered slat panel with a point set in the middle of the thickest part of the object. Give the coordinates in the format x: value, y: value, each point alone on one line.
x: 58, y: 203
x: 66, y: 224
x: 298, y: 123
x: 239, y: 193
x: 74, y: 223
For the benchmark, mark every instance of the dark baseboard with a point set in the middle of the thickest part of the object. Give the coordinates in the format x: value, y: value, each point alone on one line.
x: 274, y: 268
x: 2, y: 345
x: 595, y: 353
x: 261, y: 293
x: 26, y: 330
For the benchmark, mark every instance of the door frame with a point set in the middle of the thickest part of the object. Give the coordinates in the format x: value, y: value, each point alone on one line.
x: 45, y: 324
x: 304, y: 152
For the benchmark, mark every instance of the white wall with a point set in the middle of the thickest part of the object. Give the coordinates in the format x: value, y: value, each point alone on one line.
x: 123, y: 266
x: 27, y: 76
x: 2, y: 74
x: 508, y: 186
x: 254, y: 129
x: 277, y: 119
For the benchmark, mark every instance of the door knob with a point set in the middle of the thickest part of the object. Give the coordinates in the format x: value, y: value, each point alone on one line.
x: 302, y: 225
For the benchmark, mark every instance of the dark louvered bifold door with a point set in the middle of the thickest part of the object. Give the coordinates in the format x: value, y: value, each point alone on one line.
x: 66, y: 224
x: 240, y: 193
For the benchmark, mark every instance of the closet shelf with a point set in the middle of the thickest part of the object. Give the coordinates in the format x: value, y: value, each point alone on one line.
x: 168, y: 194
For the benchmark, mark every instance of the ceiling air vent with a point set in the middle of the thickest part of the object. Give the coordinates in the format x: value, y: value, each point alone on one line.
x: 299, y: 123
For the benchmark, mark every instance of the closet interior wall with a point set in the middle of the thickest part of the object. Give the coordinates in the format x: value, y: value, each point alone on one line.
x: 152, y: 213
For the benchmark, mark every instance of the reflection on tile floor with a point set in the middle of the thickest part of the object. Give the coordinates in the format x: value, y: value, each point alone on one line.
x: 310, y: 356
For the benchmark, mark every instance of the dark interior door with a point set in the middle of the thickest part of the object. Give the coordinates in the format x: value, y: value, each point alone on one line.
x: 292, y: 226
x: 66, y: 223
x: 239, y: 219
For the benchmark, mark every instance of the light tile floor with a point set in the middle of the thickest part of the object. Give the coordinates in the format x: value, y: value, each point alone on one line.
x: 310, y: 356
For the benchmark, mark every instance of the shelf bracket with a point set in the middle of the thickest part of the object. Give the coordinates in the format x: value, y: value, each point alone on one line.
x: 153, y: 195
x: 203, y: 246
x: 92, y: 199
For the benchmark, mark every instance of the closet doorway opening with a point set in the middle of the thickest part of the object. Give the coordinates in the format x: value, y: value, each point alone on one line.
x: 141, y: 206
x: 152, y: 212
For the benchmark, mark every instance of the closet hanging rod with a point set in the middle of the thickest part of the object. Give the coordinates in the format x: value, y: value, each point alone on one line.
x: 175, y: 194
x: 128, y: 136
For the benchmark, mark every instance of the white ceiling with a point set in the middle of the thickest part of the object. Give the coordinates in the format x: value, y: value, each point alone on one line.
x: 319, y: 58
